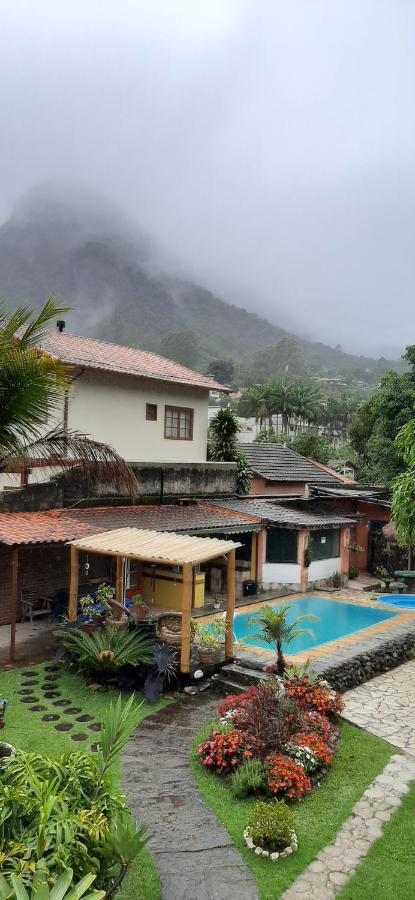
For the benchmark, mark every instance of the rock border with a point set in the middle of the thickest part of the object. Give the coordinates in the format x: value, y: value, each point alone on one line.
x: 292, y: 847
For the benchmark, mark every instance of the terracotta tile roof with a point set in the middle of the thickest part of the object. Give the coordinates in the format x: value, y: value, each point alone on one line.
x: 61, y: 525
x: 274, y: 462
x: 91, y: 354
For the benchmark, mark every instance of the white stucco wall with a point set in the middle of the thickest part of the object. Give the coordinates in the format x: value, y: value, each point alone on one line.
x: 323, y: 568
x: 112, y: 409
x: 281, y: 573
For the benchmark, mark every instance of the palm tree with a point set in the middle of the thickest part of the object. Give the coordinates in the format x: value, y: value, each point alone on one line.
x: 275, y: 630
x: 32, y: 390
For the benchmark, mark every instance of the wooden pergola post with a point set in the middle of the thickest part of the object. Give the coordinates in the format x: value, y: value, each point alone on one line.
x: 186, y: 617
x: 73, y: 584
x: 230, y: 603
x: 13, y: 602
x: 119, y: 586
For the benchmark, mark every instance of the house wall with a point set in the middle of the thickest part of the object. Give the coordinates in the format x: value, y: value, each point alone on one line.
x: 259, y: 487
x: 275, y: 574
x: 323, y: 568
x: 112, y: 408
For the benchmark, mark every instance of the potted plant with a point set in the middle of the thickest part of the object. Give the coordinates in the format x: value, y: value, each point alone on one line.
x: 87, y: 617
x: 105, y: 593
x: 216, y: 602
x: 307, y: 557
x: 208, y: 644
x: 337, y: 580
x: 139, y: 609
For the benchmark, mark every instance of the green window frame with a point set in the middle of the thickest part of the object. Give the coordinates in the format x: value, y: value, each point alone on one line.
x: 325, y: 544
x: 282, y: 546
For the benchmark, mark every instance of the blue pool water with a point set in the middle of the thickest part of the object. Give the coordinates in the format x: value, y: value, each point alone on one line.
x: 401, y: 601
x: 335, y: 620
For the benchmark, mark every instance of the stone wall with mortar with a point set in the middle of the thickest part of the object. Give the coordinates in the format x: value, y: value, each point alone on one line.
x: 374, y: 656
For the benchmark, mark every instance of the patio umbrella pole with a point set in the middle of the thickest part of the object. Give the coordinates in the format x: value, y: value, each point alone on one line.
x: 13, y: 601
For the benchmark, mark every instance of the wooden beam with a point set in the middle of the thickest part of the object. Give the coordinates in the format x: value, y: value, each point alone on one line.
x: 119, y: 586
x: 186, y: 617
x: 73, y: 584
x: 230, y: 603
x: 13, y: 602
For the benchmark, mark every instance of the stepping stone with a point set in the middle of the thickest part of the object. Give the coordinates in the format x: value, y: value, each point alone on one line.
x: 95, y: 727
x: 51, y: 717
x: 72, y: 711
x: 94, y: 748
x: 51, y: 694
x: 84, y: 718
x: 79, y: 737
x: 59, y: 702
x: 26, y: 691
x: 29, y: 699
x: 38, y: 708
x: 29, y: 674
x: 64, y: 726
x: 52, y: 668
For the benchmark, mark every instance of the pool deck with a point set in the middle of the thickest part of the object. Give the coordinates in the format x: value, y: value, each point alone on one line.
x: 335, y: 652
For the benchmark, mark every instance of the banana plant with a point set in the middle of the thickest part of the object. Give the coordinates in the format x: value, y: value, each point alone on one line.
x: 62, y: 889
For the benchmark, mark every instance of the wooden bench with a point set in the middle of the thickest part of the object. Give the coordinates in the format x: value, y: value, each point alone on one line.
x: 33, y: 606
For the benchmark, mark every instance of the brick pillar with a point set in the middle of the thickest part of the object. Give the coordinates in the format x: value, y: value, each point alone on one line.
x: 261, y: 548
x: 344, y: 551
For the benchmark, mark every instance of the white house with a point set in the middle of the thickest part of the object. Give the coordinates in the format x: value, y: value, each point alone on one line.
x: 146, y: 407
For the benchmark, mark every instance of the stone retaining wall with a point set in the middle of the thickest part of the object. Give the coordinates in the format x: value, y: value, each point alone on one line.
x: 374, y: 656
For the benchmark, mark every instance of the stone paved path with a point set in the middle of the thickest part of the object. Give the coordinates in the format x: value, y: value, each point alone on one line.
x: 194, y: 854
x: 385, y: 706
x: 336, y: 864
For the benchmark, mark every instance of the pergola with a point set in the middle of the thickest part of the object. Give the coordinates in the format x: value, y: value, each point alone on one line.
x: 164, y: 549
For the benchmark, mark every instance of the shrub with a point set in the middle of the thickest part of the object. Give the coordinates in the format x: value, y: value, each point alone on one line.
x: 14, y: 889
x: 303, y: 756
x: 223, y: 752
x: 269, y: 719
x: 248, y: 779
x: 318, y: 748
x: 286, y: 778
x: 271, y: 826
x: 354, y: 572
x: 66, y: 813
x: 235, y: 702
x: 319, y: 724
x: 318, y: 696
x: 107, y: 649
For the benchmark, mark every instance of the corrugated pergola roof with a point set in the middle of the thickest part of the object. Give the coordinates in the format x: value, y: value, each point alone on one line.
x: 155, y: 546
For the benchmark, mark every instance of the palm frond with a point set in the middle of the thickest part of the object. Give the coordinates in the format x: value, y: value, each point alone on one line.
x: 96, y: 461
x: 38, y: 327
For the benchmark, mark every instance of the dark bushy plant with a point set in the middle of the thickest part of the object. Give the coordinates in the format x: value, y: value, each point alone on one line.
x: 107, y: 649
x: 269, y: 719
x: 271, y: 826
x: 248, y: 779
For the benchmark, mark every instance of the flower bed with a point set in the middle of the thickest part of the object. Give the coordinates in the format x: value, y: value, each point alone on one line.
x: 276, y: 740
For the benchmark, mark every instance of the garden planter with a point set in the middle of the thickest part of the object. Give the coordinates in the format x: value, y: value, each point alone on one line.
x: 259, y: 851
x: 6, y: 750
x: 170, y: 629
x: 89, y: 627
x: 207, y: 657
x: 139, y: 612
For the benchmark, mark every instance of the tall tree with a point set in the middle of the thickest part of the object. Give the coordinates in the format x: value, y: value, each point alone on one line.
x: 223, y: 433
x: 403, y: 490
x: 222, y: 370
x: 32, y: 387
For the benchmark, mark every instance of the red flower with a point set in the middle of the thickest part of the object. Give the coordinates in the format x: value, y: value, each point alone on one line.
x: 313, y: 741
x: 315, y: 696
x: 224, y: 752
x: 286, y: 779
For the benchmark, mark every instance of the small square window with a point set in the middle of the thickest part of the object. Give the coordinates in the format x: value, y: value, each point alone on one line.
x: 151, y: 412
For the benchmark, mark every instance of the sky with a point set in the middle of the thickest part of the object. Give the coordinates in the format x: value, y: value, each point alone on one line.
x: 267, y: 145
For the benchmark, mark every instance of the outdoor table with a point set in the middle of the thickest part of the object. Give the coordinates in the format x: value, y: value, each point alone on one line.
x: 408, y: 576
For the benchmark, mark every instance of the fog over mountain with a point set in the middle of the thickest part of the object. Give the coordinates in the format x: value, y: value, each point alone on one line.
x: 265, y: 149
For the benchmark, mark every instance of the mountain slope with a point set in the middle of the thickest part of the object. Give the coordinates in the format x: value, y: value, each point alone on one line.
x: 72, y: 244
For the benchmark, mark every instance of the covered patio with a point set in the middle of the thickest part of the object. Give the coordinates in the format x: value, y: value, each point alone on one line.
x: 170, y: 550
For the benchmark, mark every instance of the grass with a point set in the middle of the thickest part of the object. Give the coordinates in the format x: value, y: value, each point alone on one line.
x: 25, y: 729
x: 388, y: 869
x: 360, y: 757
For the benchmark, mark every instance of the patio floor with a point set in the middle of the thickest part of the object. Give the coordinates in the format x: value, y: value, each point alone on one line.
x: 33, y: 642
x: 385, y: 706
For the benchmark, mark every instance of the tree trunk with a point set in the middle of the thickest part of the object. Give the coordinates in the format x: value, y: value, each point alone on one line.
x: 280, y: 661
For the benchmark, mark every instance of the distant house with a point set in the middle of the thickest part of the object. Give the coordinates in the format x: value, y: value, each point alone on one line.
x: 279, y: 471
x: 344, y: 467
x: 146, y: 407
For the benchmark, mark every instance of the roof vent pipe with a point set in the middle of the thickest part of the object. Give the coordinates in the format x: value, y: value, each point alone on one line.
x: 61, y: 325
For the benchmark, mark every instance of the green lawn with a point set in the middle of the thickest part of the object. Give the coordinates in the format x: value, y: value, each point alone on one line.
x: 26, y: 730
x: 389, y: 870
x: 360, y: 757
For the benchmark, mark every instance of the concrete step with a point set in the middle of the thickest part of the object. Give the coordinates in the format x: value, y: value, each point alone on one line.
x: 227, y: 686
x: 243, y: 674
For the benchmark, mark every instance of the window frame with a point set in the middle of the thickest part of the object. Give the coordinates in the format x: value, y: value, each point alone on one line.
x: 180, y: 410
x: 151, y: 406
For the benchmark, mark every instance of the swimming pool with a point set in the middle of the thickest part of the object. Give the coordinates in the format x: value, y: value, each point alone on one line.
x: 336, y: 620
x: 400, y: 601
